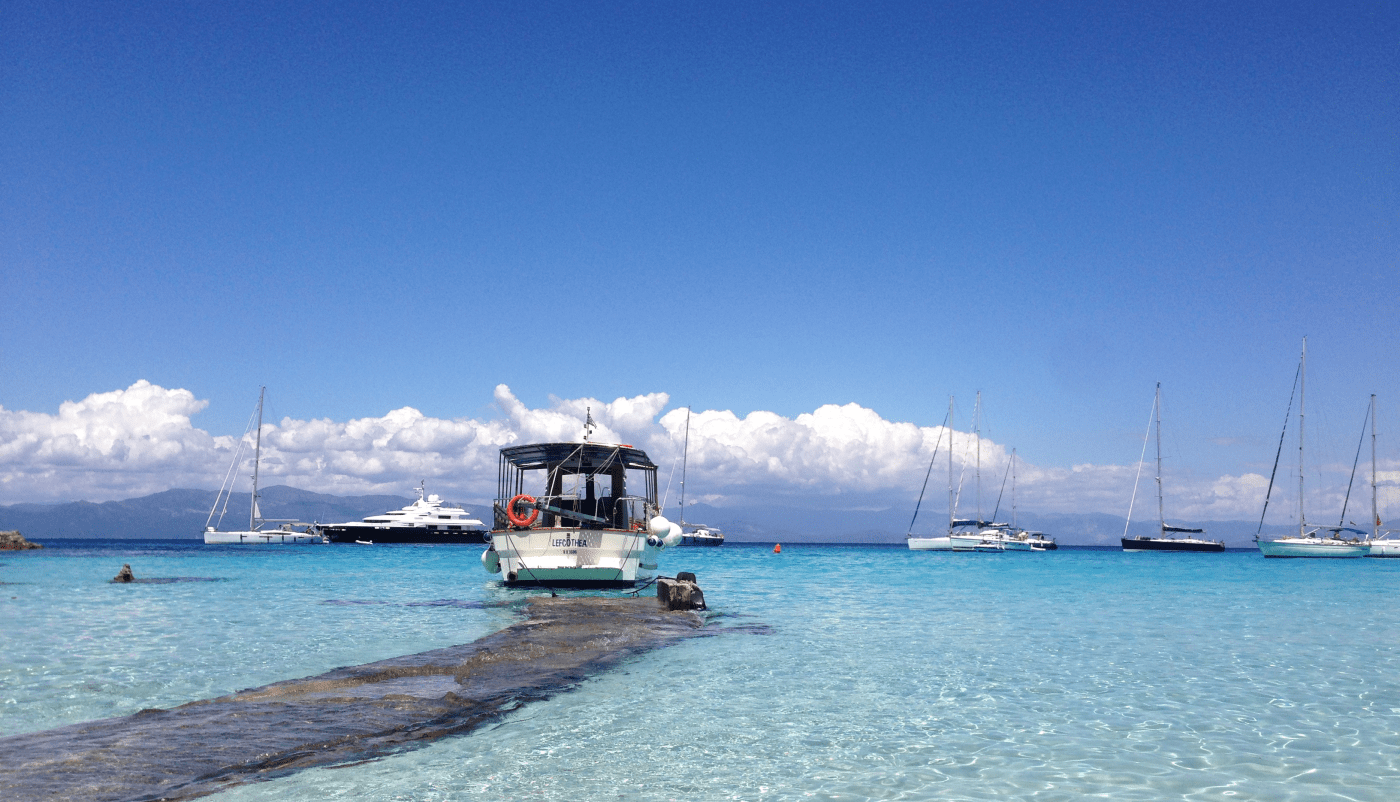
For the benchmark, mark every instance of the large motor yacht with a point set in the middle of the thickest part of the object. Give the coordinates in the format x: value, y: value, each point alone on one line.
x: 427, y: 520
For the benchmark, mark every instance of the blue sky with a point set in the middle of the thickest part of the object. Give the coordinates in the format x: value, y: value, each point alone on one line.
x: 371, y: 206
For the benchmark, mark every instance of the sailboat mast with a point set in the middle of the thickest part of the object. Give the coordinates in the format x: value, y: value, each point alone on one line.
x: 1161, y: 516
x: 1375, y: 515
x: 952, y: 504
x: 257, y: 457
x: 685, y: 457
x: 977, y: 433
x: 1302, y: 402
x: 1013, y: 488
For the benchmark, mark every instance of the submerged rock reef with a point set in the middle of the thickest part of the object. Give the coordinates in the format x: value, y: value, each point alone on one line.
x: 341, y: 716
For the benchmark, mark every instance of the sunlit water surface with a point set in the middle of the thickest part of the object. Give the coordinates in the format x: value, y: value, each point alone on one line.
x: 836, y: 672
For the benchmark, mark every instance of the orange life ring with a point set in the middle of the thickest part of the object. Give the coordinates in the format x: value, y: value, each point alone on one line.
x: 522, y: 520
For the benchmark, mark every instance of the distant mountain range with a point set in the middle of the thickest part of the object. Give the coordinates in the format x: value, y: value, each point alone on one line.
x: 181, y: 514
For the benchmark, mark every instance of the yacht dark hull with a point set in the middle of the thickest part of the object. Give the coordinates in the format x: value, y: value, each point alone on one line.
x: 400, y: 534
x: 691, y: 540
x: 1168, y: 544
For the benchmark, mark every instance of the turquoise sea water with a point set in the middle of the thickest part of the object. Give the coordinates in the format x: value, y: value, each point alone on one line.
x: 839, y: 672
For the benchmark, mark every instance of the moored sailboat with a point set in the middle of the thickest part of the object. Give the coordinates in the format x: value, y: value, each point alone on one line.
x: 698, y: 534
x: 1307, y: 543
x: 1169, y: 538
x: 285, y: 533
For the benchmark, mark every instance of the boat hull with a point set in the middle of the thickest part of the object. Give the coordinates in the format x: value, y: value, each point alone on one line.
x: 692, y: 540
x: 1312, y: 547
x: 1384, y: 548
x: 1170, y: 544
x: 930, y: 544
x: 369, y: 533
x: 574, y: 558
x: 272, y: 537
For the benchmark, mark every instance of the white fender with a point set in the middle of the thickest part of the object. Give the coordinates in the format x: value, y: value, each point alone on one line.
x: 491, y: 561
x: 659, y: 526
x: 674, y: 536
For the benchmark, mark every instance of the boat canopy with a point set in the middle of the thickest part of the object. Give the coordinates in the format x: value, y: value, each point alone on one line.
x: 1182, y: 529
x: 581, y: 457
x: 583, y: 484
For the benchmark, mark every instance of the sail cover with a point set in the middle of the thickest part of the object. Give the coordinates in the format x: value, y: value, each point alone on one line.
x: 1182, y: 529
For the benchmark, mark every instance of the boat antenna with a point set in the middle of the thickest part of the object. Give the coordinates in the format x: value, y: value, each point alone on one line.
x: 1279, y: 454
x: 685, y: 457
x: 588, y: 424
x: 253, y: 514
x: 931, y: 460
x: 1346, y: 499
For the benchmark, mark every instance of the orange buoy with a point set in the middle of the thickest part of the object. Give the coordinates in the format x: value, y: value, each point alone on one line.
x: 777, y: 548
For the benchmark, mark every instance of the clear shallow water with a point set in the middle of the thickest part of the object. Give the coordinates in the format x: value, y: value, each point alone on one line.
x: 844, y: 673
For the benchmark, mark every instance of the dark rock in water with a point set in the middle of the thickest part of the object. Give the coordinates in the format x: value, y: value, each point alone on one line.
x: 124, y: 575
x: 342, y: 716
x: 677, y: 594
x: 14, y: 541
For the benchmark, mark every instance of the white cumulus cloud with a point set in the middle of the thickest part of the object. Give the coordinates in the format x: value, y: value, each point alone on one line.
x: 141, y: 440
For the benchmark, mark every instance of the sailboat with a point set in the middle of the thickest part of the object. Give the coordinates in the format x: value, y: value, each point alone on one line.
x: 1307, y: 543
x: 255, y: 532
x: 1009, y: 536
x: 1381, y: 544
x: 698, y: 534
x: 1169, y: 537
x: 976, y: 534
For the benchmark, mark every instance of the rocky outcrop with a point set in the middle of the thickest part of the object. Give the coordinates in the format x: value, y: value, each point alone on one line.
x: 14, y: 541
x: 124, y: 575
x: 681, y: 593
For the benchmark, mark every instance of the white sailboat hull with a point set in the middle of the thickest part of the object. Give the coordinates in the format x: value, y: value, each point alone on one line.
x: 930, y: 544
x: 1312, y: 547
x: 1384, y: 548
x: 574, y: 557
x: 252, y: 537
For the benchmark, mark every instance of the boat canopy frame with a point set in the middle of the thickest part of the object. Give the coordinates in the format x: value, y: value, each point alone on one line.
x: 590, y: 462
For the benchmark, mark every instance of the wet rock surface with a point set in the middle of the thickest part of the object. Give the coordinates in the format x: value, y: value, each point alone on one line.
x: 341, y: 716
x: 14, y: 541
x: 124, y: 575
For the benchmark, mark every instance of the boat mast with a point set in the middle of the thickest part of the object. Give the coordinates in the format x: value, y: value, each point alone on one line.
x: 1375, y: 516
x: 952, y: 504
x: 1161, y: 517
x: 977, y: 434
x: 685, y: 456
x: 257, y: 457
x: 1302, y: 402
x: 1013, y: 488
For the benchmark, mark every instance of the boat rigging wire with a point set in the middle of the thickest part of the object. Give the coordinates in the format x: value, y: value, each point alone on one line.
x: 1364, y: 422
x: 936, y: 441
x: 1141, y: 458
x: 1278, y: 455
